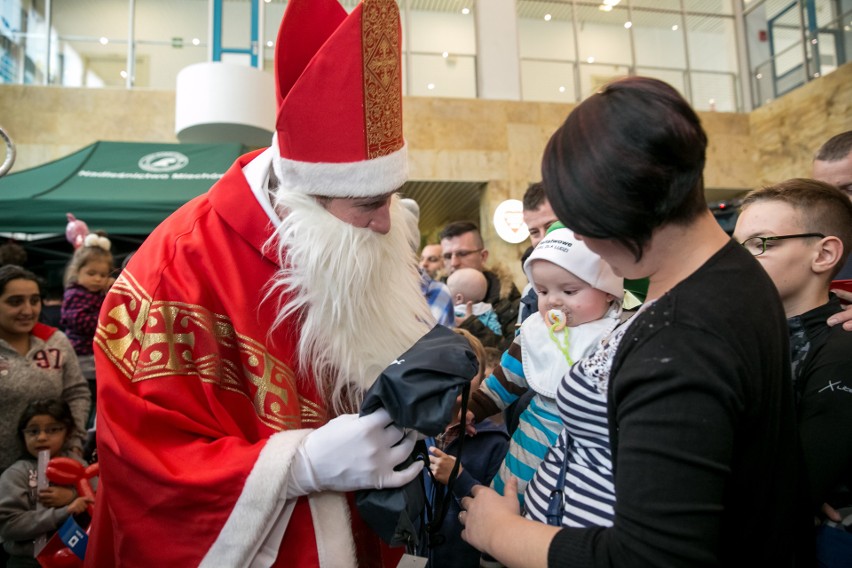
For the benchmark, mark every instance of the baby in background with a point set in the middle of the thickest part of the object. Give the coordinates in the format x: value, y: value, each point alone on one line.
x: 468, y: 287
x: 87, y: 279
x: 579, y: 305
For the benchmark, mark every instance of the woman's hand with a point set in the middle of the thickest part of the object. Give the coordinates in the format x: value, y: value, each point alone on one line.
x: 486, y: 512
x: 441, y: 465
x: 56, y: 496
x: 844, y: 317
x: 493, y: 524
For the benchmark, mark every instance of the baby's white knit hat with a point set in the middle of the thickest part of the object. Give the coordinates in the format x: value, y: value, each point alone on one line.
x: 563, y: 249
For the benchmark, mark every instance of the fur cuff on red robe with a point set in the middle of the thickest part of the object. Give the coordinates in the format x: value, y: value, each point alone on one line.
x: 253, y: 519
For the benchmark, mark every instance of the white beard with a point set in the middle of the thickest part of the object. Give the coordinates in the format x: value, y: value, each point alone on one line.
x: 357, y: 294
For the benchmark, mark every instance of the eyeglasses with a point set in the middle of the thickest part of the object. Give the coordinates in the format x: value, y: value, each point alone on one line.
x: 49, y: 430
x: 757, y: 245
x: 460, y: 253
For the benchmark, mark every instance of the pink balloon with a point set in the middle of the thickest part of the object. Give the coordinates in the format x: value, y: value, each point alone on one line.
x: 75, y: 231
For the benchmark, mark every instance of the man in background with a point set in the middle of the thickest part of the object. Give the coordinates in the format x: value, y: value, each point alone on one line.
x: 432, y: 260
x: 463, y: 247
x: 538, y: 216
x: 833, y: 164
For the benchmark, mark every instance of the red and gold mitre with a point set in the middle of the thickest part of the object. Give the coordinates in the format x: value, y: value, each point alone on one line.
x: 339, y: 92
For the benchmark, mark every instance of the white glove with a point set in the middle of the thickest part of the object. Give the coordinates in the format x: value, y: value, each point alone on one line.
x: 353, y: 452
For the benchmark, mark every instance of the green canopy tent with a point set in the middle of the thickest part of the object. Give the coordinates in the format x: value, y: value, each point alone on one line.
x: 123, y: 188
x: 120, y: 187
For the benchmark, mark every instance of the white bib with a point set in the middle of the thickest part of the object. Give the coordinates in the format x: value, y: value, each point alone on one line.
x: 544, y: 362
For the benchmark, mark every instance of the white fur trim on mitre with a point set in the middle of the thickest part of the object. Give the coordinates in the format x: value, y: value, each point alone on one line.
x: 261, y: 502
x: 366, y: 178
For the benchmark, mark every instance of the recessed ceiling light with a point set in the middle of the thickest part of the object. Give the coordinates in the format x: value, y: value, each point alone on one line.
x: 628, y: 24
x: 590, y: 59
x: 675, y: 28
x: 431, y: 86
x: 103, y: 41
x: 270, y: 43
x: 196, y: 41
x: 547, y: 17
x: 123, y: 74
x: 465, y: 11
x: 445, y: 54
x: 605, y: 8
x: 561, y: 88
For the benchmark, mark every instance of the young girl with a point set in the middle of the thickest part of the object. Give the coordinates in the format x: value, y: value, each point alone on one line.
x: 87, y: 280
x: 44, y: 425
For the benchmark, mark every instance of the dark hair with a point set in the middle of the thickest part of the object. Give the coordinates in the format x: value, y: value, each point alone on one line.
x: 54, y: 407
x: 457, y: 228
x: 822, y: 208
x: 12, y: 253
x: 534, y: 196
x: 627, y: 160
x: 836, y: 148
x: 11, y: 272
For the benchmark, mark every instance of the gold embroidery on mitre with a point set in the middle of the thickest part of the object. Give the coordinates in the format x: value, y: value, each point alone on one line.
x: 148, y: 339
x: 380, y: 45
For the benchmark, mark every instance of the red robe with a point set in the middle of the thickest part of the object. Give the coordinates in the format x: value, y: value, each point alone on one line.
x: 192, y: 389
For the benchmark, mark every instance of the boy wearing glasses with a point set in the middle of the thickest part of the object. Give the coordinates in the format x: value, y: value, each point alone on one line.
x: 800, y: 230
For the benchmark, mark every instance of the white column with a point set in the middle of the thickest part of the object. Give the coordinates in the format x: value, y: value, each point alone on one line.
x: 498, y: 67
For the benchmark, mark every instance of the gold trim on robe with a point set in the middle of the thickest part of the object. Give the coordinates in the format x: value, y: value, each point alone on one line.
x: 150, y: 339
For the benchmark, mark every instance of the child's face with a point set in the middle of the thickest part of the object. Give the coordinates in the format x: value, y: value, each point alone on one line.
x: 94, y: 275
x: 788, y: 261
x: 44, y: 432
x: 560, y: 290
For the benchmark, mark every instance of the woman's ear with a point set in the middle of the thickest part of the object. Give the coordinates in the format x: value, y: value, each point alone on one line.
x: 828, y: 255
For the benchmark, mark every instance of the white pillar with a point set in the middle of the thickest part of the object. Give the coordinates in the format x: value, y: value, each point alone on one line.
x: 498, y: 71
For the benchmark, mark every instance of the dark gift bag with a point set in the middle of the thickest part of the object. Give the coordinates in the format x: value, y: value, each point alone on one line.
x: 419, y: 391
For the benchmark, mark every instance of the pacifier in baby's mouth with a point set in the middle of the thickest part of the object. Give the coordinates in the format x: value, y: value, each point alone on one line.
x: 556, y: 320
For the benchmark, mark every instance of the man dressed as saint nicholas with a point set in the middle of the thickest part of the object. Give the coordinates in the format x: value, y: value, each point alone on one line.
x: 236, y: 346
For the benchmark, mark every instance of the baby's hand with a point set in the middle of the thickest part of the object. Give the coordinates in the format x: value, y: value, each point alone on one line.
x: 79, y: 505
x: 441, y: 464
x: 56, y: 496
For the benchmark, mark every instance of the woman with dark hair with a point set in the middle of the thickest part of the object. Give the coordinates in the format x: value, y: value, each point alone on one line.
x: 700, y: 407
x: 36, y: 361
